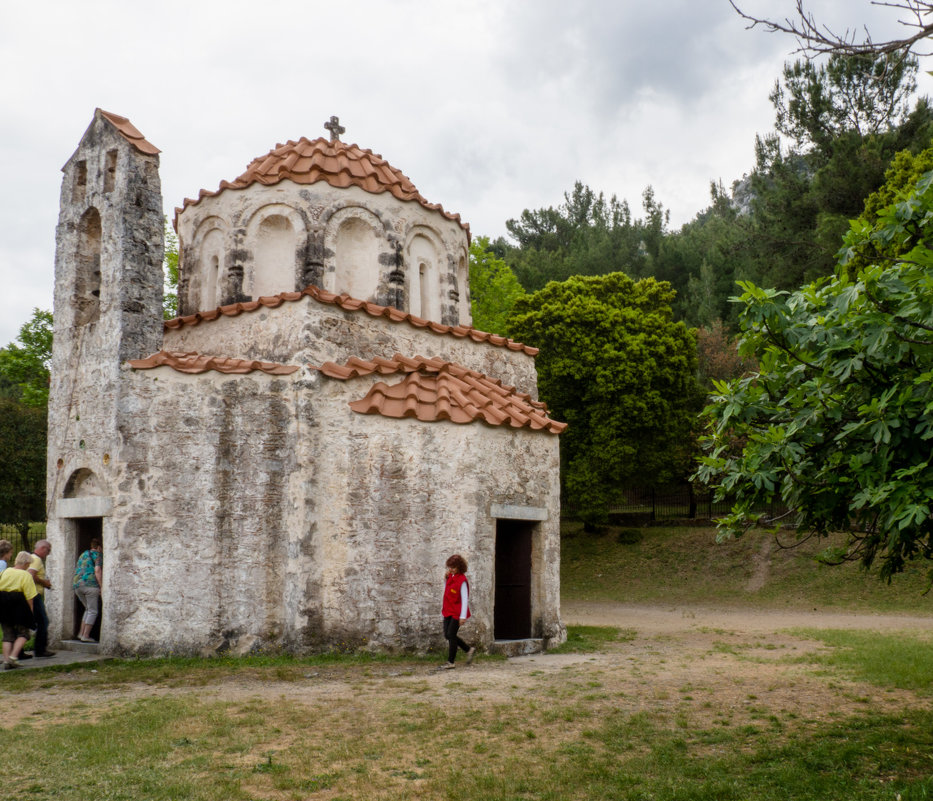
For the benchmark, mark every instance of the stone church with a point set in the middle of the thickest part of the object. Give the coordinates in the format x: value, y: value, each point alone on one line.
x: 288, y: 463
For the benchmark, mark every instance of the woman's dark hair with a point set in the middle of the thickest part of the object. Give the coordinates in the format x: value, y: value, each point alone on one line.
x: 458, y: 563
x: 95, y: 544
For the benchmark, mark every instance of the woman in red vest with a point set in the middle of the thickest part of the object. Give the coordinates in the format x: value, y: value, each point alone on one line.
x: 456, y: 609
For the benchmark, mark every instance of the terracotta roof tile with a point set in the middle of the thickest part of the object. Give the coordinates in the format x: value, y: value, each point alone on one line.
x: 348, y: 303
x: 434, y: 389
x: 196, y: 363
x: 338, y: 163
x: 130, y: 132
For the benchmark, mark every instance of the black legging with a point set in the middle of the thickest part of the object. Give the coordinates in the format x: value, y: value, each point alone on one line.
x: 451, y: 627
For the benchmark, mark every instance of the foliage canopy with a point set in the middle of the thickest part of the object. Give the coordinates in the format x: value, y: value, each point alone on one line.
x: 170, y: 272
x: 621, y: 372
x: 24, y: 364
x: 493, y: 288
x: 839, y: 419
x: 587, y: 234
x: 24, y: 396
x: 22, y: 464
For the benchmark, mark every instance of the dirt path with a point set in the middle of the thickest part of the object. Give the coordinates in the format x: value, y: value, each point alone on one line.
x: 650, y: 620
x: 711, y: 665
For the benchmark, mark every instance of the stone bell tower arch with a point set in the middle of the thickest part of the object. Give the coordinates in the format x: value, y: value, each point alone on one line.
x: 108, y: 309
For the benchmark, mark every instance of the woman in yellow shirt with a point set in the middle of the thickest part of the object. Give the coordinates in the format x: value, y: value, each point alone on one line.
x: 17, y: 589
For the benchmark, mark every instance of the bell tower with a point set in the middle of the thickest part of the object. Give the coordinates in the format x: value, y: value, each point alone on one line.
x: 108, y: 308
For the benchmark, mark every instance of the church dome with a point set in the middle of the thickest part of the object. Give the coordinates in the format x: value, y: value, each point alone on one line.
x: 314, y: 212
x: 339, y: 164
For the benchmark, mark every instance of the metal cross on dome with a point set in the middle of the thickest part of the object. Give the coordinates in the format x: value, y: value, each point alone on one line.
x: 335, y: 129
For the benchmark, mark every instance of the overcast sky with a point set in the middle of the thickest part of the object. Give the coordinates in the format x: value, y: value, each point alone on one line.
x: 489, y: 107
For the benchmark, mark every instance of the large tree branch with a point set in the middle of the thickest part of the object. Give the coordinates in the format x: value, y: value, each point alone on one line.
x: 814, y: 39
x: 885, y: 307
x: 778, y: 341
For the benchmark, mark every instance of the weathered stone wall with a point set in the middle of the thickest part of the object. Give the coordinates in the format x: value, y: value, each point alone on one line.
x: 198, y: 559
x: 400, y: 496
x: 108, y: 294
x: 371, y: 246
x: 261, y: 512
x: 308, y: 332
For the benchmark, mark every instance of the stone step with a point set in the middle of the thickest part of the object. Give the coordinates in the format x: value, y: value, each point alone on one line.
x: 533, y: 645
x: 83, y: 647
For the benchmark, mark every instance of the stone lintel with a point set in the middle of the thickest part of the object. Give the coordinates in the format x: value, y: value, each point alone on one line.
x: 83, y: 507
x: 509, y: 512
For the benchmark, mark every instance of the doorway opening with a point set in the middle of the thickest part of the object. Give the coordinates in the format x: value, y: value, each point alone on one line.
x: 512, y: 613
x: 86, y: 529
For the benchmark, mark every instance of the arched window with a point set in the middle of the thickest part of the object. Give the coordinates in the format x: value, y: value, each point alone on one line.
x: 110, y: 172
x: 79, y: 186
x: 87, y: 269
x: 81, y: 484
x: 424, y: 281
x: 424, y: 289
x: 274, y: 265
x: 357, y: 259
x: 211, y: 276
x: 463, y: 292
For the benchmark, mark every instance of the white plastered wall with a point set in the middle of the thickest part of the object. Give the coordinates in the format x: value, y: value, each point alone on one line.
x: 275, y: 234
x: 355, y: 236
x: 315, y: 212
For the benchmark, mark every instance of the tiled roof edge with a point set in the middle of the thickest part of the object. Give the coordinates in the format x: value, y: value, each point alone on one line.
x: 341, y: 177
x: 194, y: 363
x: 502, y: 406
x: 356, y: 367
x: 348, y: 303
x: 130, y: 132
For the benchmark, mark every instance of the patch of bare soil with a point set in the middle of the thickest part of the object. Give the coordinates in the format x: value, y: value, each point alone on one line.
x: 762, y: 567
x: 676, y: 618
x: 704, y: 666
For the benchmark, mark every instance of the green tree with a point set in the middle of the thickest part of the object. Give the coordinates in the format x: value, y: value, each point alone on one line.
x: 22, y: 464
x: 838, y: 421
x: 587, y: 234
x: 703, y: 260
x: 493, y: 288
x: 846, y: 124
x: 24, y: 397
x: 902, y: 176
x: 170, y: 269
x: 864, y: 94
x: 621, y: 372
x: 24, y: 364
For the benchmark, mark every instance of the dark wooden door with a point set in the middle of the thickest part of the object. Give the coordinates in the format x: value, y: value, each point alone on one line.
x: 86, y: 529
x: 512, y: 615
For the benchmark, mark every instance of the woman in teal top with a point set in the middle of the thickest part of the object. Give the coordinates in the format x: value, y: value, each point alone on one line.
x: 87, y: 581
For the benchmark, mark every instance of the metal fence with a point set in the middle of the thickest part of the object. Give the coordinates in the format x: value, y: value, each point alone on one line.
x: 11, y: 533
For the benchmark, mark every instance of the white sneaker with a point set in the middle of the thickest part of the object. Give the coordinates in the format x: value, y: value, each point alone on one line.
x: 470, y: 654
x: 447, y: 666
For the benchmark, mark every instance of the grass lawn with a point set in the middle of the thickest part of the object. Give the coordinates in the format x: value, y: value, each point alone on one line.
x: 616, y: 713
x: 686, y: 565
